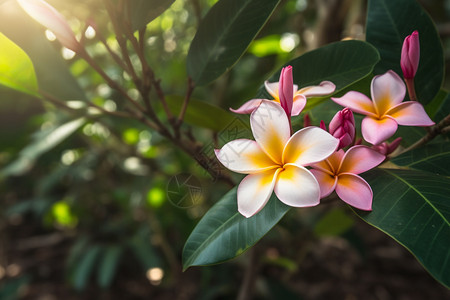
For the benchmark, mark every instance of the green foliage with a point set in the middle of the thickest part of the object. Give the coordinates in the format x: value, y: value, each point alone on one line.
x: 16, y: 68
x: 223, y: 233
x: 433, y: 158
x: 388, y: 23
x: 224, y: 35
x: 143, y: 12
x: 412, y: 207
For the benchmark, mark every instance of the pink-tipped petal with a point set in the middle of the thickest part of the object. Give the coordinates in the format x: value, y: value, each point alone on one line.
x: 248, y: 107
x: 326, y: 181
x: 254, y: 191
x: 355, y: 191
x: 376, y: 131
x: 360, y: 159
x: 298, y: 105
x: 387, y: 91
x: 49, y: 17
x: 357, y: 102
x: 323, y: 89
x: 272, y: 89
x: 244, y: 156
x: 285, y: 91
x: 309, y: 145
x: 296, y: 186
x: 270, y: 127
x: 410, y: 113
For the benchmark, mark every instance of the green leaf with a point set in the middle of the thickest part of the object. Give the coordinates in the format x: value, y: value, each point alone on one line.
x: 143, y: 250
x: 52, y: 71
x: 83, y: 270
x: 335, y: 222
x: 108, y: 265
x: 16, y: 68
x: 223, y: 233
x: 224, y: 35
x: 143, y: 12
x: 413, y: 208
x: 439, y: 102
x: 388, y: 23
x: 434, y: 158
x: 343, y: 63
x: 201, y: 114
x: 43, y: 142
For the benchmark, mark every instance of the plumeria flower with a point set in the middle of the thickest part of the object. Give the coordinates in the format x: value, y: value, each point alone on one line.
x: 281, y: 91
x: 49, y: 17
x: 386, y: 111
x: 275, y: 160
x: 339, y: 172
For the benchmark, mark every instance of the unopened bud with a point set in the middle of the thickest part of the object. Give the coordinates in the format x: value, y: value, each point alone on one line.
x: 342, y: 126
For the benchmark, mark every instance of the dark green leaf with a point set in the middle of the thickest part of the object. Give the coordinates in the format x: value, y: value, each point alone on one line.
x: 413, y: 208
x: 43, y: 142
x: 16, y: 68
x: 108, y: 265
x: 343, y: 63
x: 434, y: 158
x: 85, y: 266
x: 143, y: 250
x: 223, y: 233
x: 388, y: 23
x: 224, y: 35
x: 201, y: 114
x: 440, y: 102
x: 143, y: 12
x: 334, y: 222
x: 51, y: 70
x: 444, y: 110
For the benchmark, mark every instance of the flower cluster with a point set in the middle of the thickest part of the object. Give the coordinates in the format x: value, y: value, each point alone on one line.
x: 310, y: 164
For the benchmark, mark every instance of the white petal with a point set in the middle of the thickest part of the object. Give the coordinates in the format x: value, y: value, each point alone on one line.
x: 296, y: 186
x: 325, y: 88
x: 254, y: 191
x: 309, y: 145
x: 270, y: 127
x: 244, y: 156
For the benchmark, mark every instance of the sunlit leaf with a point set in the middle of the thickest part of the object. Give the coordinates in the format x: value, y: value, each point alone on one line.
x: 52, y: 71
x: 16, y: 68
x: 223, y: 233
x: 224, y: 35
x: 434, y: 158
x: 143, y: 12
x: 388, y: 23
x: 413, y: 208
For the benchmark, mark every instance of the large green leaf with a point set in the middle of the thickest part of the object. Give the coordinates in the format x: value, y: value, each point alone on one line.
x: 413, y: 207
x: 224, y: 35
x: 343, y: 63
x: 388, y: 23
x: 202, y: 114
x: 434, y: 158
x: 223, y: 233
x: 16, y: 68
x: 143, y: 12
x: 108, y: 265
x: 51, y: 70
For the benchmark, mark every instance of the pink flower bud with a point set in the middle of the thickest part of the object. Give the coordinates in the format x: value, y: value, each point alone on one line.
x: 410, y: 55
x: 306, y: 120
x: 386, y: 148
x: 322, y: 125
x: 49, y: 17
x: 342, y: 126
x: 286, y: 92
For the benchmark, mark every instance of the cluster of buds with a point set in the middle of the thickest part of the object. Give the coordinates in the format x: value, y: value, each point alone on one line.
x: 342, y: 127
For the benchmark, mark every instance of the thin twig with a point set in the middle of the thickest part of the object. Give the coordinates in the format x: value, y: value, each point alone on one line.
x: 189, y: 91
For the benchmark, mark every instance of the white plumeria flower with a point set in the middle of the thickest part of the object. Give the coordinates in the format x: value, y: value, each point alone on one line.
x: 275, y: 160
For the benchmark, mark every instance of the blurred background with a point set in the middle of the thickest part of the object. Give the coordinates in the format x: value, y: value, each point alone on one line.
x: 101, y: 209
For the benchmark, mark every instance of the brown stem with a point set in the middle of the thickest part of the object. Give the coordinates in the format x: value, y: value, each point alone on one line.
x: 432, y: 133
x: 189, y: 91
